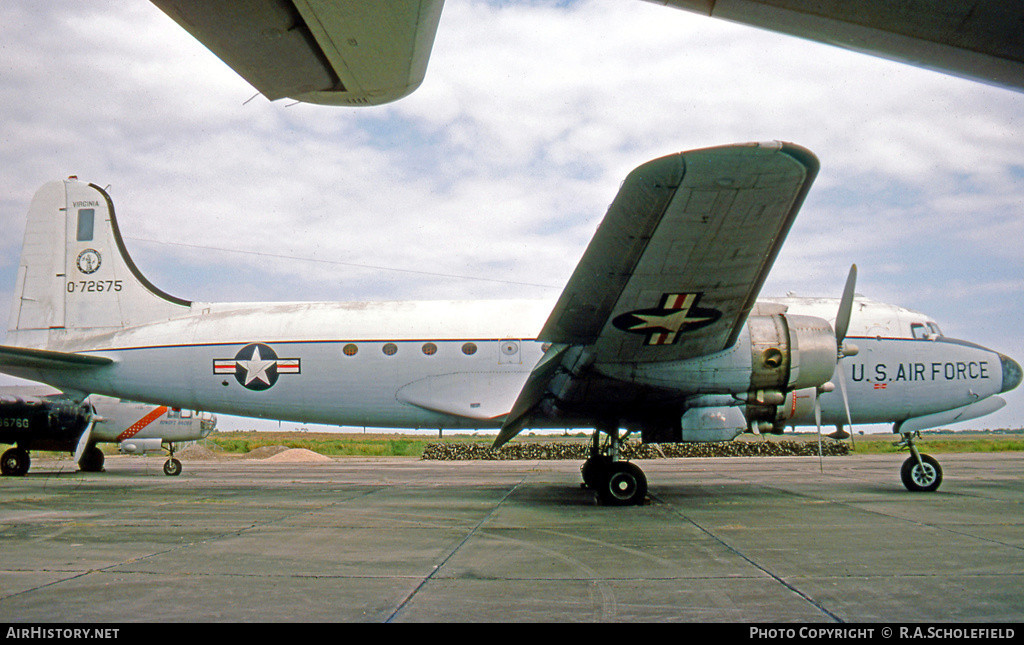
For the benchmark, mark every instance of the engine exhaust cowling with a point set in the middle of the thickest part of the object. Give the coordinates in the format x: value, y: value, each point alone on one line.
x: 790, y: 352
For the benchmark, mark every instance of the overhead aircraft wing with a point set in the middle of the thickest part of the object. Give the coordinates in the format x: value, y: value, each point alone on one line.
x: 981, y: 40
x: 331, y: 52
x: 676, y: 265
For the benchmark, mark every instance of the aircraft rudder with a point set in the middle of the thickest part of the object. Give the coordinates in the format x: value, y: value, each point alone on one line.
x: 76, y: 273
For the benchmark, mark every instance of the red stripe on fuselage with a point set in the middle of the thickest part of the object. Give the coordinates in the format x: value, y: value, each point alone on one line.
x: 134, y: 428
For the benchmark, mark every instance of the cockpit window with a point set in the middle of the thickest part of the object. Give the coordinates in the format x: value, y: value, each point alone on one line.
x: 924, y: 331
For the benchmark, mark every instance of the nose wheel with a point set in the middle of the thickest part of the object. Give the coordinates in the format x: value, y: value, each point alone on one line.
x: 920, y: 473
x: 172, y: 467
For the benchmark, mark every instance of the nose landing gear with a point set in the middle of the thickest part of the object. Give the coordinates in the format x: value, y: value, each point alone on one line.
x: 920, y: 473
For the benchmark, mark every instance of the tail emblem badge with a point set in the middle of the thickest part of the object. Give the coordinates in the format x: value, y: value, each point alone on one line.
x: 89, y: 261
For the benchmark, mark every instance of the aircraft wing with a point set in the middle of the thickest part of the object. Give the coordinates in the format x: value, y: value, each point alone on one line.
x: 977, y: 39
x: 677, y: 263
x: 331, y: 52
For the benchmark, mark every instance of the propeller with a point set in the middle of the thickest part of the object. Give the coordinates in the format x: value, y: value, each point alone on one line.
x: 842, y: 350
x: 83, y: 441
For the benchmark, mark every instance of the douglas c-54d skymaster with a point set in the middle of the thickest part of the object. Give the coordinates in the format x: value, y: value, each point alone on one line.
x: 659, y: 331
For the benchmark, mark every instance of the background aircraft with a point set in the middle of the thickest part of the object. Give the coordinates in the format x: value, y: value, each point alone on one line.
x: 658, y: 324
x: 348, y: 52
x: 41, y: 418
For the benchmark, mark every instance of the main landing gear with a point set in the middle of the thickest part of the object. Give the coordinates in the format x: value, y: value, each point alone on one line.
x: 920, y: 472
x: 91, y: 460
x: 616, y: 482
x: 15, y: 462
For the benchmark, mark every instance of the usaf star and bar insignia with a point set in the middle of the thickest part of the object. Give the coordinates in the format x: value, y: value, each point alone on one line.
x: 256, y: 366
x: 677, y: 314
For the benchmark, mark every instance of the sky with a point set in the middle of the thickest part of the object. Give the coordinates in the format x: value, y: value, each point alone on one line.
x: 490, y: 179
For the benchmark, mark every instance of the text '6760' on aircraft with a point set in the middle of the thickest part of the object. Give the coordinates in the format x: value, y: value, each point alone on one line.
x: 658, y: 332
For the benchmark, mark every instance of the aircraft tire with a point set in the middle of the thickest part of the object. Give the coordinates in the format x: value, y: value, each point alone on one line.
x: 15, y: 462
x: 172, y: 467
x: 92, y: 460
x: 918, y: 479
x: 592, y: 470
x: 622, y: 484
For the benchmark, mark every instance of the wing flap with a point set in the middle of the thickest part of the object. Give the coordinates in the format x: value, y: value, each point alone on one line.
x: 531, y: 395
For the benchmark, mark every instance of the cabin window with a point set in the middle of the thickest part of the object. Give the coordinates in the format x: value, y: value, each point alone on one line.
x: 86, y: 217
x: 350, y: 349
x: 469, y: 349
x: 429, y: 349
x: 389, y: 349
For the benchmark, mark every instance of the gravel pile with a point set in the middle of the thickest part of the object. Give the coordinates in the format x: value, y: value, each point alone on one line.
x: 580, y: 451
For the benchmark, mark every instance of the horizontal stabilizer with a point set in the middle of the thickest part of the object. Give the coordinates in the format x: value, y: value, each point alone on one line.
x: 45, y: 359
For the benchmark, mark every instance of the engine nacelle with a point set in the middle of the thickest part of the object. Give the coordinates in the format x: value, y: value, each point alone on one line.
x: 42, y: 423
x: 790, y: 352
x: 712, y: 424
x: 790, y: 357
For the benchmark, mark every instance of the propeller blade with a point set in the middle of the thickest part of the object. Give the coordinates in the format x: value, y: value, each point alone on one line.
x: 846, y: 400
x: 817, y: 420
x: 83, y: 441
x: 846, y: 306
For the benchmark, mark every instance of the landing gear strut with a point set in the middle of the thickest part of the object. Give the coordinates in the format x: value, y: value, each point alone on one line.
x: 172, y: 467
x: 616, y: 482
x: 920, y: 472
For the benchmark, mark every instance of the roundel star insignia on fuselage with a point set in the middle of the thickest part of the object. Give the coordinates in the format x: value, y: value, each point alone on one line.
x: 256, y: 366
x: 663, y: 325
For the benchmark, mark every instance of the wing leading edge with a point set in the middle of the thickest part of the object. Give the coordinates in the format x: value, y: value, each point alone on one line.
x: 677, y: 263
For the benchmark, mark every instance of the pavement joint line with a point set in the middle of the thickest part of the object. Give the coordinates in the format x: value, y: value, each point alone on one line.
x: 455, y: 550
x: 235, y: 531
x: 817, y: 605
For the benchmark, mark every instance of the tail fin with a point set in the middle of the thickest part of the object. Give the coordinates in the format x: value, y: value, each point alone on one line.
x: 75, y: 273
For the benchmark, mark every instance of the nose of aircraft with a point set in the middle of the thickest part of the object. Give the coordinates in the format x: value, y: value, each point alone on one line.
x: 1012, y: 373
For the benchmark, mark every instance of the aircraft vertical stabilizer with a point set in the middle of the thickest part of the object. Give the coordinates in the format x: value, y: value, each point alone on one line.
x: 75, y: 273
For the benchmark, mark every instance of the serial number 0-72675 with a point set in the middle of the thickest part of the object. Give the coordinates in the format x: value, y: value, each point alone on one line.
x: 93, y: 286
